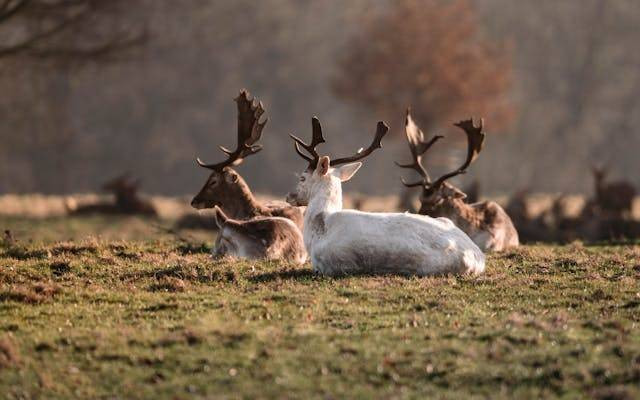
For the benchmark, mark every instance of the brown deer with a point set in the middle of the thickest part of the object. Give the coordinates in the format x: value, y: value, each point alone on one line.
x: 486, y: 223
x: 612, y: 197
x: 127, y: 200
x: 270, y: 238
x: 225, y: 188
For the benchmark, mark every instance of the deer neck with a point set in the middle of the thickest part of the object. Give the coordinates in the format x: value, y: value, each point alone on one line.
x: 326, y: 198
x: 242, y: 204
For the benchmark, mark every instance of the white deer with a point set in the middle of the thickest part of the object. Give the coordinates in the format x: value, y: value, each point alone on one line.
x: 347, y: 241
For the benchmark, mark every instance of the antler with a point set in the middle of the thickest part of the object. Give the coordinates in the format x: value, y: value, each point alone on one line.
x: 316, y: 139
x: 475, y: 140
x: 381, y: 130
x: 418, y: 147
x: 249, y: 132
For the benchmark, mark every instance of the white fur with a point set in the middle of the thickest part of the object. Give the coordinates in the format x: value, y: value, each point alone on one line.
x: 348, y: 241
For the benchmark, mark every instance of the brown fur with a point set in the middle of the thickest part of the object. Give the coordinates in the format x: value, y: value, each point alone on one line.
x: 612, y: 197
x: 486, y: 223
x: 319, y: 225
x: 229, y: 191
x: 473, y: 219
x: 225, y: 188
x: 259, y: 238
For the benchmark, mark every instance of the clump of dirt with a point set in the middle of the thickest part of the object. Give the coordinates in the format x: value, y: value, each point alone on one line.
x: 12, y: 249
x: 187, y: 248
x: 194, y: 273
x: 169, y: 284
x: 59, y: 268
x: 612, y: 393
x: 74, y: 249
x: 9, y: 353
x: 187, y: 336
x: 30, y: 294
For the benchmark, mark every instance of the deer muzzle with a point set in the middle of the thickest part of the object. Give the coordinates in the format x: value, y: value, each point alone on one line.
x: 198, y: 204
x: 292, y: 198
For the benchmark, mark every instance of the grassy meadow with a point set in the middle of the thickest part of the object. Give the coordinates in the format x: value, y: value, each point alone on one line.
x: 106, y: 307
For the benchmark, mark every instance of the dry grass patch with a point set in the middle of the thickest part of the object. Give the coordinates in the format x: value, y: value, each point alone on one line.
x: 30, y: 293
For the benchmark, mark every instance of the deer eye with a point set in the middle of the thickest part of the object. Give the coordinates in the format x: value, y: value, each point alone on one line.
x: 302, y: 179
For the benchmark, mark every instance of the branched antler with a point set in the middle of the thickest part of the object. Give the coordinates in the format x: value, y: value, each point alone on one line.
x: 249, y: 132
x: 475, y: 140
x: 418, y: 147
x: 381, y: 130
x: 317, y: 138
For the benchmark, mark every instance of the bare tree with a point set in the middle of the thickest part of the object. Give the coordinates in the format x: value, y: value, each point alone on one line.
x: 47, y: 40
x: 65, y: 29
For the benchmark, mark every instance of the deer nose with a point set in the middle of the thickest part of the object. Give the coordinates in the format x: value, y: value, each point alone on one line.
x: 292, y: 199
x: 196, y: 203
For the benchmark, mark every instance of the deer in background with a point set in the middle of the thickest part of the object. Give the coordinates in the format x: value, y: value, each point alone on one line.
x: 613, y: 197
x: 127, y: 200
x: 531, y: 227
x: 486, y: 223
x: 348, y: 241
x: 225, y: 188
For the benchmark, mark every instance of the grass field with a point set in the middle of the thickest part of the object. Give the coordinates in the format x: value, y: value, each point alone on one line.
x: 152, y: 316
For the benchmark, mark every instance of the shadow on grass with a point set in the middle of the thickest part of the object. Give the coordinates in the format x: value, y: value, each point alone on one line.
x: 300, y: 275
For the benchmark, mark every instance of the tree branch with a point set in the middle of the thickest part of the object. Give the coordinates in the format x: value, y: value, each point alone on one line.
x: 7, y: 12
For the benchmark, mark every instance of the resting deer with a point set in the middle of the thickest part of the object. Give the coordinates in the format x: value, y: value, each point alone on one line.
x: 486, y: 223
x: 225, y: 188
x: 348, y: 241
x: 127, y: 200
x: 614, y: 197
x: 271, y: 238
x: 530, y: 226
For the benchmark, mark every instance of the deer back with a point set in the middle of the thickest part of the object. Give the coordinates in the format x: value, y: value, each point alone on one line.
x: 272, y: 238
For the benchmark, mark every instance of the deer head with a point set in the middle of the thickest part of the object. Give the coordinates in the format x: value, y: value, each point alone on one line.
x: 224, y: 185
x: 436, y: 192
x: 125, y: 191
x: 121, y: 185
x: 599, y: 174
x: 322, y: 169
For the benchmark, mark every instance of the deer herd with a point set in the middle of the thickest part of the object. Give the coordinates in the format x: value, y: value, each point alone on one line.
x: 449, y: 233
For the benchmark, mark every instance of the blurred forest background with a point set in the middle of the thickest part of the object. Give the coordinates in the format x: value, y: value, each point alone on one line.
x: 92, y: 88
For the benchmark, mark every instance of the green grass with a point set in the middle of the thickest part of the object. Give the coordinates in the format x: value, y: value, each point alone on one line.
x: 155, y: 317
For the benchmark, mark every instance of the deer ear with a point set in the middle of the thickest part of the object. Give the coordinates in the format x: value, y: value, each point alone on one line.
x: 219, y: 217
x: 459, y: 195
x: 347, y: 171
x: 231, y: 177
x: 323, y: 165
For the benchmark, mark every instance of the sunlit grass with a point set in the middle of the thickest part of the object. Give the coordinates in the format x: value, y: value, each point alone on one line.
x: 157, y: 318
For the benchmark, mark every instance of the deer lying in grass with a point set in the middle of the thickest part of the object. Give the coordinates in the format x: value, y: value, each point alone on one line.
x: 256, y: 231
x: 225, y: 188
x: 127, y: 200
x: 270, y: 238
x: 486, y: 223
x: 347, y: 241
x: 612, y: 197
